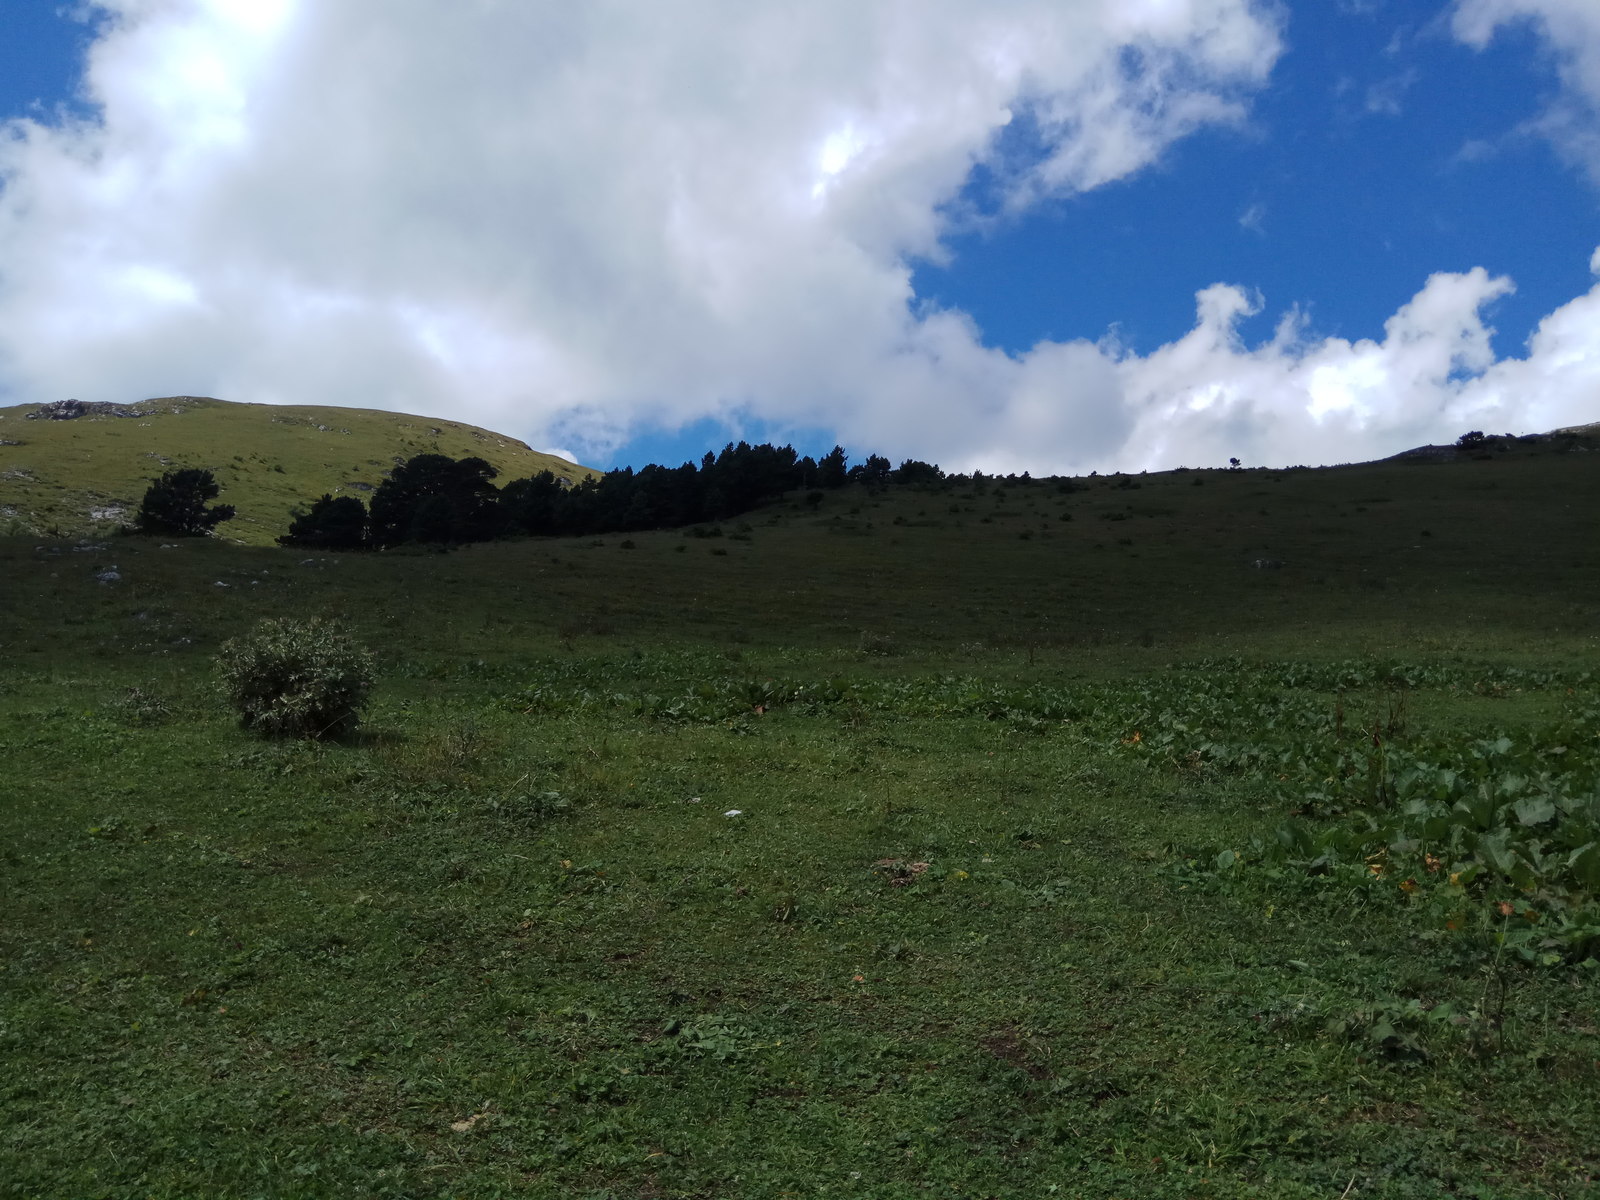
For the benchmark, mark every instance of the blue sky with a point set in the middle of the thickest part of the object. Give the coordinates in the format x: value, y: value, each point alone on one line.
x: 1347, y: 188
x: 939, y: 293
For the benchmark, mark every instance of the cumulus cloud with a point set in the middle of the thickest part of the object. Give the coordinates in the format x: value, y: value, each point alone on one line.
x: 1298, y: 398
x: 571, y: 222
x: 1571, y: 30
x: 1328, y: 399
x: 564, y: 220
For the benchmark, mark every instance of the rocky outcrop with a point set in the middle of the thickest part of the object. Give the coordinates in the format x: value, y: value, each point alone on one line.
x: 71, y: 410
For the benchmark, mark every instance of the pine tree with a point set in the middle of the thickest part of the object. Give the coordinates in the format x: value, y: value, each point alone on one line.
x: 175, y: 505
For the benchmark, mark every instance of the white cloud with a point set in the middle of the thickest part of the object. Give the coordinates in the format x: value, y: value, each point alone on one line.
x: 1296, y: 398
x: 1387, y: 96
x: 565, y: 220
x: 1571, y: 29
x: 1557, y: 383
x: 570, y: 221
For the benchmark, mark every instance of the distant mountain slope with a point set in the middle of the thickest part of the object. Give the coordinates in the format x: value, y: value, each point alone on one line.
x: 77, y: 468
x: 1557, y: 441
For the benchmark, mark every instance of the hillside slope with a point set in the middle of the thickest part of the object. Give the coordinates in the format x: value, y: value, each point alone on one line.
x: 88, y: 472
x: 1378, y: 558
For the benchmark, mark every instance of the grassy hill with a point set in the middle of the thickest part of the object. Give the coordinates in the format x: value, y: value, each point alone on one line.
x: 1509, y: 545
x: 88, y: 473
x: 1016, y: 839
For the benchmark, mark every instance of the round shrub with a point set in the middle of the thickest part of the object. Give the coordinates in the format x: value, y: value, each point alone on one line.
x: 294, y: 678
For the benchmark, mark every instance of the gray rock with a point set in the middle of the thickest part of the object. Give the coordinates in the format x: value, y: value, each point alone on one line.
x: 71, y: 410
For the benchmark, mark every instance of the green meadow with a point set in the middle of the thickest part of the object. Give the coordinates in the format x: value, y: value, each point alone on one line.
x: 1010, y: 839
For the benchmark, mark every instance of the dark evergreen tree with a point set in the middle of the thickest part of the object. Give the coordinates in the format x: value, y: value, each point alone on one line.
x: 334, y: 523
x: 834, y: 469
x: 534, y: 505
x: 874, y: 472
x: 175, y: 505
x: 434, y: 498
x: 437, y: 499
x: 912, y: 471
x: 745, y: 475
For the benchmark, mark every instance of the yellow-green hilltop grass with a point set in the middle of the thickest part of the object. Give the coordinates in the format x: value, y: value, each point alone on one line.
x: 88, y: 473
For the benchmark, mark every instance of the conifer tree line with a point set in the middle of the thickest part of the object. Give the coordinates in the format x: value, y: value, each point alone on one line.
x: 436, y: 499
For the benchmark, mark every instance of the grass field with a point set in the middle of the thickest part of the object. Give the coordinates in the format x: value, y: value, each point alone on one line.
x: 1073, y: 856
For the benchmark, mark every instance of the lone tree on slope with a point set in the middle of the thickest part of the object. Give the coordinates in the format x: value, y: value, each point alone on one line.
x: 175, y: 504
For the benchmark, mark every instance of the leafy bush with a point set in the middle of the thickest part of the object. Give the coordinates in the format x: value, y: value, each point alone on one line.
x: 293, y: 678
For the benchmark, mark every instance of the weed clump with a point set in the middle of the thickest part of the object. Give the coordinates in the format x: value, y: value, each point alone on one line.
x: 294, y: 678
x: 877, y: 644
x: 140, y: 706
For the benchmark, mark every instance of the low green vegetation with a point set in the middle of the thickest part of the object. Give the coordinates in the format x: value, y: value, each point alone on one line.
x: 859, y: 846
